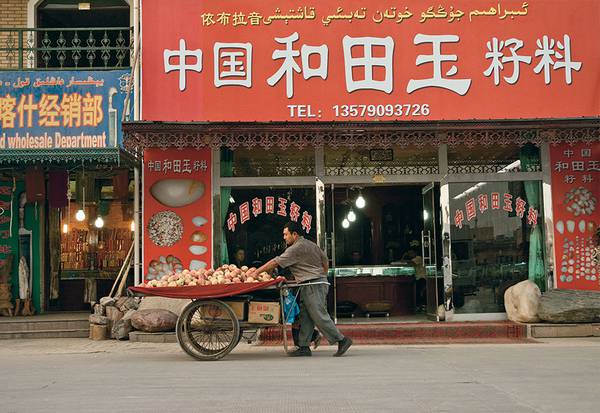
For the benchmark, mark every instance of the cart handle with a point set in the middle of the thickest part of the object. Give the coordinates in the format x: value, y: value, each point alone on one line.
x: 294, y: 285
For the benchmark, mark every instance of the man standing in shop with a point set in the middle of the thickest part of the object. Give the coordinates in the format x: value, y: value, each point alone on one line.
x: 308, y: 263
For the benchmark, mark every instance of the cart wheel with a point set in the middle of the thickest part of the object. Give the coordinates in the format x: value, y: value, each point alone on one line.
x: 208, y: 330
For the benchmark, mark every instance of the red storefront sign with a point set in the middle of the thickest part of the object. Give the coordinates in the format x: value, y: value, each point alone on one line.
x: 177, y: 211
x: 575, y: 196
x: 272, y: 205
x: 356, y: 60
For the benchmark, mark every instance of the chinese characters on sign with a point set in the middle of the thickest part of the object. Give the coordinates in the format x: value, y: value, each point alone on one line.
x: 178, y: 166
x: 575, y: 183
x: 495, y: 201
x: 577, y: 167
x: 233, y: 62
x: 278, y: 61
x: 269, y: 205
x: 62, y: 110
x: 52, y: 110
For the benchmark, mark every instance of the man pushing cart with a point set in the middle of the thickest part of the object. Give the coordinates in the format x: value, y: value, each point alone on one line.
x: 308, y: 264
x: 213, y: 323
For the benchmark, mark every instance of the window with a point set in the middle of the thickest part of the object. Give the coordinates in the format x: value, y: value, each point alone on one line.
x: 463, y: 159
x: 397, y: 160
x: 254, y: 218
x: 273, y: 162
x: 497, y: 241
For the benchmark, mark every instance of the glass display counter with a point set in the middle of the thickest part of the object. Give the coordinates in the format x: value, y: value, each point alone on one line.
x: 373, y: 270
x: 376, y: 289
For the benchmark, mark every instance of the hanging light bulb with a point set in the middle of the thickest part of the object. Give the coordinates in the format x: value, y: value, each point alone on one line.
x: 132, y: 225
x: 80, y: 215
x: 351, y: 216
x: 360, y: 201
x: 99, y: 222
x: 345, y: 223
x: 65, y: 228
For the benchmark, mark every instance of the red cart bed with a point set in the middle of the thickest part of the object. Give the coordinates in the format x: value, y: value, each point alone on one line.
x: 208, y: 328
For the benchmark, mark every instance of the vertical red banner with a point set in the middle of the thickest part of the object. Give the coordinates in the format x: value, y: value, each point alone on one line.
x: 177, y: 211
x: 575, y: 196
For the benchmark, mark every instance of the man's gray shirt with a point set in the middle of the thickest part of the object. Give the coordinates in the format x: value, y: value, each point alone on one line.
x: 305, y: 260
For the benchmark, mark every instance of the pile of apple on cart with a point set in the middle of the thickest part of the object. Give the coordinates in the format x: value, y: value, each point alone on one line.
x: 226, y: 307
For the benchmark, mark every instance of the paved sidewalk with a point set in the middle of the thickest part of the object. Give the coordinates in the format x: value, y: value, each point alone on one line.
x: 74, y: 375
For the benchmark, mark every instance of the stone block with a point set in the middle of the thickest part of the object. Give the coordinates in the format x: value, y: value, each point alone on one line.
x: 522, y: 302
x: 570, y: 306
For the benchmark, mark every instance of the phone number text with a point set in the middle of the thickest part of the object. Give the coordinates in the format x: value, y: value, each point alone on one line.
x: 378, y: 111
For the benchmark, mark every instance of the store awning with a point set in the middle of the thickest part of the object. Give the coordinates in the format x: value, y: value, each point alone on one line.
x: 144, y: 134
x: 24, y: 157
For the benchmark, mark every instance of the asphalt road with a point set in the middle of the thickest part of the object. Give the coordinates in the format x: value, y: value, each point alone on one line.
x: 78, y: 375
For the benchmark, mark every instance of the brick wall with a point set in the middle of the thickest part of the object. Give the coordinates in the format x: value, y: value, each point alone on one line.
x: 13, y: 13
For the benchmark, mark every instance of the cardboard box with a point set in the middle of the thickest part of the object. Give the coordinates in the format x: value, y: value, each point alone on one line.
x: 263, y: 313
x: 238, y: 308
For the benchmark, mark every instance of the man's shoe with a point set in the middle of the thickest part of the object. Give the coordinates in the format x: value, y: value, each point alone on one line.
x: 317, y: 341
x: 343, y: 346
x: 300, y: 352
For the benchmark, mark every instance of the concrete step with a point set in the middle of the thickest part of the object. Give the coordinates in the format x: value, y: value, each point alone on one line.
x: 73, y: 333
x: 32, y: 325
x: 47, y: 325
x: 143, y: 337
x: 563, y: 330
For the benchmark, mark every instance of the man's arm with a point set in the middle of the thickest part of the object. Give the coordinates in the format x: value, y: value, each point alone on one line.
x: 268, y: 267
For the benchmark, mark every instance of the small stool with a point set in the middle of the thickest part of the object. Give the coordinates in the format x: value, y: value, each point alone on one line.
x: 378, y: 308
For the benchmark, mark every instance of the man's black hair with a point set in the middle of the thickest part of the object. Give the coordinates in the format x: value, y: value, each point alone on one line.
x: 292, y: 227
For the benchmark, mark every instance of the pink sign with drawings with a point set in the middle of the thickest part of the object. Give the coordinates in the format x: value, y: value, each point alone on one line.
x: 575, y: 195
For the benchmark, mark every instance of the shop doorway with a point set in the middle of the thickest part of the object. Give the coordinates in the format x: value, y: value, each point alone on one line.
x: 429, y: 284
x: 382, y: 243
